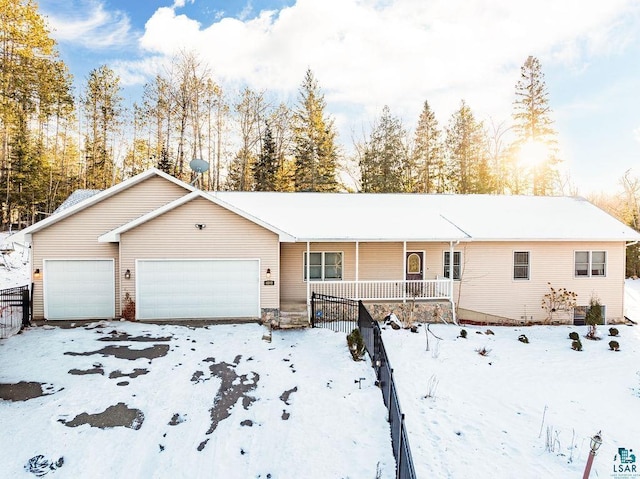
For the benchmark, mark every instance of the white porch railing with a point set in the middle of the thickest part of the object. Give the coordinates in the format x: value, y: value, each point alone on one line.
x: 384, y: 290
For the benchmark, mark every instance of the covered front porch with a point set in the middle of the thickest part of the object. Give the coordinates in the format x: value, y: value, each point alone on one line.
x: 371, y: 271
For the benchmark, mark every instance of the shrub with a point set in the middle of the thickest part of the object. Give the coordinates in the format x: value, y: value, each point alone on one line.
x: 613, y: 332
x: 593, y: 317
x: 356, y: 345
x: 483, y: 351
x: 463, y: 333
x: 523, y: 339
x: 576, y: 345
x: 489, y: 332
x: 558, y: 300
x: 614, y: 345
x: 575, y: 336
x: 129, y: 308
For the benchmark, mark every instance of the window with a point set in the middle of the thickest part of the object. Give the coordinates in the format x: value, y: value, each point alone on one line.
x: 520, y: 265
x: 456, y: 264
x: 323, y: 266
x: 590, y: 263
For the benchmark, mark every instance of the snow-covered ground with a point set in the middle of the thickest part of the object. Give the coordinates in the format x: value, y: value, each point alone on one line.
x: 523, y: 410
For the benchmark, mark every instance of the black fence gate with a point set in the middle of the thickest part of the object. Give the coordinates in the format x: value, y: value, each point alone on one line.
x: 337, y: 314
x: 15, y: 310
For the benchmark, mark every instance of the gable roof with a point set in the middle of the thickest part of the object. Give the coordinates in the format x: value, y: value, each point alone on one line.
x: 440, y: 217
x: 91, y: 199
x: 113, y: 236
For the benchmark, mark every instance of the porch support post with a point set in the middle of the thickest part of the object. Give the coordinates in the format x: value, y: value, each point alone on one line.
x: 453, y: 305
x: 404, y: 271
x: 308, y: 281
x: 357, y: 270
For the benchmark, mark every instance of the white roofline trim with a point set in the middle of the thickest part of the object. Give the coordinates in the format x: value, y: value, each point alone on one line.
x: 382, y: 240
x: 101, y: 196
x: 113, y: 236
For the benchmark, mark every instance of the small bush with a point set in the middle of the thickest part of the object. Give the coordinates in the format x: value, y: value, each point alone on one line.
x: 489, y: 332
x: 614, y: 345
x: 356, y: 345
x: 483, y: 351
x: 575, y: 336
x: 523, y: 339
x: 129, y: 308
x: 463, y: 333
x: 576, y: 345
x: 613, y: 332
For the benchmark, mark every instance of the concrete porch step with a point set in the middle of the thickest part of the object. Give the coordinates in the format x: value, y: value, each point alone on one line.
x: 293, y: 320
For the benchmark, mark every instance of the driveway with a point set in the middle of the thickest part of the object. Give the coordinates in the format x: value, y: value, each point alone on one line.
x: 121, y: 399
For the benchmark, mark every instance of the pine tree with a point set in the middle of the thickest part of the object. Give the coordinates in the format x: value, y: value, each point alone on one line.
x: 383, y: 164
x: 103, y: 109
x: 468, y: 168
x: 315, y: 151
x: 427, y: 154
x: 164, y: 163
x: 533, y: 128
x: 265, y: 169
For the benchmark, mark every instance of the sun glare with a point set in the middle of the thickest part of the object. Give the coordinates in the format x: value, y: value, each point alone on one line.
x: 533, y: 153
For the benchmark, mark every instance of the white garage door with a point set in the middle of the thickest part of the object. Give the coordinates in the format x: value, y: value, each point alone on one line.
x: 192, y: 289
x: 78, y: 289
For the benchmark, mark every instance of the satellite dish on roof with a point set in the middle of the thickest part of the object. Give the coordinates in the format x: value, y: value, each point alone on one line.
x: 198, y: 165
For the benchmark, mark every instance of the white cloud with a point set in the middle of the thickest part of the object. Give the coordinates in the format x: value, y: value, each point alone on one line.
x: 90, y: 25
x: 367, y: 53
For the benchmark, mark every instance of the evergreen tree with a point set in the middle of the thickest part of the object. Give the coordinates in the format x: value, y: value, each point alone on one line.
x: 427, y: 154
x: 266, y: 168
x: 468, y: 163
x: 164, y: 163
x: 383, y: 163
x: 315, y: 151
x: 533, y: 128
x: 103, y: 109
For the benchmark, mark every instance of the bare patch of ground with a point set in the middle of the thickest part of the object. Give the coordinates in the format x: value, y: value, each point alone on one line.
x: 25, y: 390
x: 124, y: 352
x: 119, y: 415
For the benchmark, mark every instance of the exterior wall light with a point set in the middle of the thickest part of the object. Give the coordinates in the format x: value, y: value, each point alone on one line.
x: 127, y: 274
x: 201, y: 226
x: 268, y: 273
x: 37, y: 274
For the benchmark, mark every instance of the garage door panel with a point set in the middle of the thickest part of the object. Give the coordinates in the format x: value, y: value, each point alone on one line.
x: 191, y: 289
x: 79, y: 289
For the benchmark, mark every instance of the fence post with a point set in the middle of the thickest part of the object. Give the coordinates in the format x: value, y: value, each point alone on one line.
x: 399, y: 464
x: 25, y: 308
x: 389, y: 393
x: 313, y: 310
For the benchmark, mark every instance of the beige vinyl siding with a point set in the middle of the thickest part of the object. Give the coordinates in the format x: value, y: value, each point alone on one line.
x: 487, y: 284
x: 294, y: 288
x: 227, y: 235
x: 77, y: 235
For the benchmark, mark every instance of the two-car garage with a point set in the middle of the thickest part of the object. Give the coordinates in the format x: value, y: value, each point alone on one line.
x: 165, y: 289
x: 197, y: 289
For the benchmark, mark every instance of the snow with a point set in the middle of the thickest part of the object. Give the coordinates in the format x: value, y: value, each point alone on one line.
x: 414, y: 217
x: 310, y: 418
x: 485, y: 416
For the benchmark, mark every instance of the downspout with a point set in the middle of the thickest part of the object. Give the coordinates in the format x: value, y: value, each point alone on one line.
x: 308, y: 282
x: 358, y: 270
x: 453, y: 304
x: 404, y: 271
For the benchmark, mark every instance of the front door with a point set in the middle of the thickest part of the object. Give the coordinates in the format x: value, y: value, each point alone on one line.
x: 415, y: 260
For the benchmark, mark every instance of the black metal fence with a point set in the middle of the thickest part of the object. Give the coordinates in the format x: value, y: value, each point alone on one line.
x: 337, y: 314
x: 15, y: 310
x: 370, y: 331
x: 343, y: 315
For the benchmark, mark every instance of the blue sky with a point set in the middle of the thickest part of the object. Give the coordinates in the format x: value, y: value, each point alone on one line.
x: 370, y: 53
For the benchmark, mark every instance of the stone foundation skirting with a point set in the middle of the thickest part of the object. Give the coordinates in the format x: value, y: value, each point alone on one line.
x: 418, y: 312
